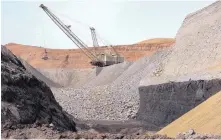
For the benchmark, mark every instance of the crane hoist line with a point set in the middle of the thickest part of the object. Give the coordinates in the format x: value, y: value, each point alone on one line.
x: 101, y: 59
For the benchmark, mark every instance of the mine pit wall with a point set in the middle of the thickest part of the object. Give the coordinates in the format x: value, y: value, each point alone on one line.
x: 163, y: 103
x: 77, y: 59
x: 136, y: 51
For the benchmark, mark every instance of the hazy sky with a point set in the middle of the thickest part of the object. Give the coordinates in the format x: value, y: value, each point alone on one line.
x: 117, y: 22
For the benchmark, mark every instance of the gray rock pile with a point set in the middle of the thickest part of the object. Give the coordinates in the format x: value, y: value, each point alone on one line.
x: 116, y: 100
x: 197, y: 46
x: 26, y: 100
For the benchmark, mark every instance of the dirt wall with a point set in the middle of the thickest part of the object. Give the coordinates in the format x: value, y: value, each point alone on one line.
x: 74, y: 58
x: 163, y: 103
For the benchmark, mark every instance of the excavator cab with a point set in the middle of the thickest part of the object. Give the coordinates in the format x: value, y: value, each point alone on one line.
x: 105, y: 59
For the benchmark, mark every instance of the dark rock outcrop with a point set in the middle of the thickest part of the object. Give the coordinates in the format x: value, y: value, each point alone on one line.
x: 163, y: 103
x: 27, y: 100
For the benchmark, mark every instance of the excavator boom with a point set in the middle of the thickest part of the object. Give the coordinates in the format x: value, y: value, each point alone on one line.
x: 66, y: 29
x: 96, y: 60
x: 94, y: 38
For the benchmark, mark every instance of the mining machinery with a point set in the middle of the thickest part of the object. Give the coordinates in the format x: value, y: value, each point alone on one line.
x: 97, y: 59
x: 110, y: 56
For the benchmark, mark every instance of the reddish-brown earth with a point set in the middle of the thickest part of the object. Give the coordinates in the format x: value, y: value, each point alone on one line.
x: 76, y: 59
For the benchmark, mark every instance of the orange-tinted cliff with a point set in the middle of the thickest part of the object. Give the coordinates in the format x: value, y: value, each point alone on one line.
x: 74, y: 58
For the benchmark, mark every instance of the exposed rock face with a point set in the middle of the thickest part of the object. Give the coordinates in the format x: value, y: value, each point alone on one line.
x: 25, y: 99
x: 77, y: 59
x: 161, y: 104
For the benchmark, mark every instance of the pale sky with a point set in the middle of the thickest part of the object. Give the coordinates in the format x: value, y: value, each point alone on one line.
x: 117, y: 22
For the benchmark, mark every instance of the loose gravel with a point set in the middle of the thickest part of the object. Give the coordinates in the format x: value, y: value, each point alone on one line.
x: 198, y: 42
x: 118, y: 100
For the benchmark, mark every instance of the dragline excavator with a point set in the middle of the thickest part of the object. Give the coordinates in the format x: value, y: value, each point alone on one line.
x: 109, y: 54
x: 97, y: 59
